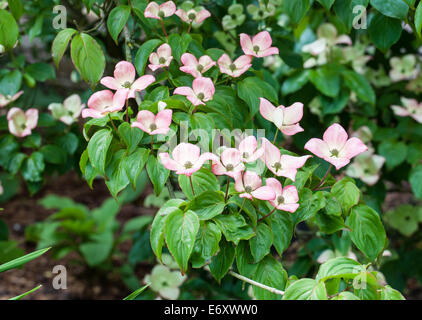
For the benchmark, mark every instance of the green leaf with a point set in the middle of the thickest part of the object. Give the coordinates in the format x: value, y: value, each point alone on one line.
x: 222, y: 262
x: 143, y: 54
x: 117, y: 20
x: 136, y: 293
x: 415, y: 180
x: 346, y: 193
x: 282, y: 229
x: 340, y: 267
x: 157, y: 227
x: 310, y: 205
x: 306, y: 289
x: 251, y: 89
x: 179, y: 44
x: 116, y: 173
x: 36, y: 28
x: 16, y: 8
x: 131, y: 136
x: 88, y: 57
x: 202, y: 180
x: 358, y: 84
x: 384, y: 31
x: 22, y: 260
x: 97, y: 148
x: 346, y: 14
x: 33, y: 167
x: 418, y: 19
x: 391, y: 8
x: 394, y: 153
x: 388, y: 293
x: 98, y: 249
x: 367, y: 233
x: 297, y: 9
x: 234, y: 227
x: 180, y: 233
x: 295, y: 82
x: 208, y: 204
x: 244, y: 260
x: 134, y: 164
x: 53, y: 154
x: 9, y: 30
x: 11, y: 83
x: 326, y: 80
x: 26, y: 293
x: 261, y: 243
x: 41, y: 71
x: 326, y: 3
x: 271, y: 273
x: 157, y: 173
x: 206, y: 244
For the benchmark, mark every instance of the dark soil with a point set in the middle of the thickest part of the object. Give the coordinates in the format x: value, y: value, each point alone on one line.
x: 82, y: 283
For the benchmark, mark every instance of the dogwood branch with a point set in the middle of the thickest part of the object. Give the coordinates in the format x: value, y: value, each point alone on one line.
x: 257, y: 284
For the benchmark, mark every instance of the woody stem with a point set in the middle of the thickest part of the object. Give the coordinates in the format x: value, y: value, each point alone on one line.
x: 266, y: 216
x: 323, y: 179
x: 191, y: 186
x: 275, y: 137
x: 227, y: 188
x: 112, y: 123
x: 164, y: 29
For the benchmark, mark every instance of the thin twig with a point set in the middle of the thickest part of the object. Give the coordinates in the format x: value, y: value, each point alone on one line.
x: 257, y: 284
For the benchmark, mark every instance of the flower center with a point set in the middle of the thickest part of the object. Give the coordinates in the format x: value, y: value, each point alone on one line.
x: 334, y: 153
x: 153, y: 127
x: 280, y: 200
x: 233, y: 16
x: 260, y: 13
x: 248, y: 189
x: 161, y: 14
x: 127, y: 84
x: 162, y: 60
x: 192, y: 16
x: 245, y: 155
x: 256, y: 49
x: 229, y: 167
x: 200, y: 67
x: 201, y: 96
x: 277, y: 166
x: 188, y: 165
x: 232, y: 67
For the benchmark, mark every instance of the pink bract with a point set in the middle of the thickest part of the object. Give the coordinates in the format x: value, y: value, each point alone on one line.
x: 124, y: 79
x: 285, y: 118
x: 249, y: 150
x: 250, y: 186
x: 160, y: 59
x: 202, y: 90
x: 104, y: 102
x: 229, y: 164
x: 193, y: 16
x: 259, y: 46
x: 186, y: 159
x: 335, y: 147
x: 282, y: 165
x: 21, y: 123
x: 156, y: 11
x: 286, y: 199
x: 234, y: 68
x: 194, y: 67
x: 153, y: 124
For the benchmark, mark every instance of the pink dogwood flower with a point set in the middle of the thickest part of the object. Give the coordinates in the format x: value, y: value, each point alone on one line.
x: 161, y: 58
x: 202, y: 90
x: 285, y: 198
x: 282, y: 165
x: 249, y: 150
x: 250, y: 186
x: 194, y: 67
x: 187, y: 159
x: 153, y: 124
x: 193, y: 16
x: 285, y: 118
x: 124, y: 79
x: 335, y: 147
x: 234, y: 68
x: 5, y: 100
x: 259, y: 46
x: 411, y: 108
x: 22, y: 123
x: 229, y: 164
x: 156, y: 11
x: 104, y: 102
